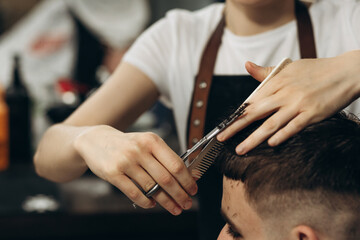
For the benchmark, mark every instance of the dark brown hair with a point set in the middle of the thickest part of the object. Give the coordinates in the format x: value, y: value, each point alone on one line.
x: 323, y: 159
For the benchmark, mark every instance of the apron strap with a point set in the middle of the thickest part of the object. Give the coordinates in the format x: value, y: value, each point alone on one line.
x: 204, y: 77
x: 202, y: 85
x: 305, y: 31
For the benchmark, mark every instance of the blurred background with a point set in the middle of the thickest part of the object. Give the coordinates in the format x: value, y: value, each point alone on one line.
x: 53, y: 55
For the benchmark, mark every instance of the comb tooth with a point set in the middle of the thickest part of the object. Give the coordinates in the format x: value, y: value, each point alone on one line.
x: 210, y: 157
x: 201, y: 168
x: 197, y: 175
x: 207, y: 160
x: 204, y: 166
x: 195, y: 171
x: 200, y: 174
x: 206, y: 163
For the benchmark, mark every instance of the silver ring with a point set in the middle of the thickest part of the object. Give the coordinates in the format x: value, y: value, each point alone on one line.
x: 149, y: 193
x: 152, y: 191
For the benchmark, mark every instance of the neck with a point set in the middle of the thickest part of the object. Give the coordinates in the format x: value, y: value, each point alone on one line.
x: 246, y: 20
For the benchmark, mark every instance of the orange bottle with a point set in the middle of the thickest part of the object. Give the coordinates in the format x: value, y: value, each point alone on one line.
x: 4, y: 132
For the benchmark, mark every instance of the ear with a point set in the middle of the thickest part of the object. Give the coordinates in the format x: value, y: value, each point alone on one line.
x: 303, y: 232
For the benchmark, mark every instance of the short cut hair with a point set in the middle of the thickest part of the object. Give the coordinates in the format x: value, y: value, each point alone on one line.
x: 313, y: 178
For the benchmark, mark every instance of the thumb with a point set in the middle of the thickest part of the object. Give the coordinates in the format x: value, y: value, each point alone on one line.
x: 257, y: 72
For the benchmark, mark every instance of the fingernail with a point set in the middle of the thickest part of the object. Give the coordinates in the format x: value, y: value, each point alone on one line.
x: 177, y: 211
x: 253, y: 64
x: 273, y: 142
x: 240, y: 149
x: 188, y: 204
x: 220, y: 137
x: 194, y: 190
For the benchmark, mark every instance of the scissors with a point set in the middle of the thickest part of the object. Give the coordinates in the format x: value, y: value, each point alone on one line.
x: 205, y: 141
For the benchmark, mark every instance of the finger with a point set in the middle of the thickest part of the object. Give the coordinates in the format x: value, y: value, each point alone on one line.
x: 167, y: 182
x: 268, y: 128
x: 141, y: 178
x: 271, y: 87
x: 292, y: 128
x: 125, y: 185
x: 167, y: 202
x: 254, y: 112
x: 175, y: 165
x: 146, y: 183
x: 257, y: 72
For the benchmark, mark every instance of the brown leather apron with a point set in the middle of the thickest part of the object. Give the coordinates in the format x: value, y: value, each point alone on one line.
x: 204, y: 77
x: 215, y: 97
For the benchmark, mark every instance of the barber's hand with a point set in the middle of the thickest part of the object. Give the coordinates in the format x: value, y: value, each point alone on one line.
x: 118, y: 157
x: 305, y: 92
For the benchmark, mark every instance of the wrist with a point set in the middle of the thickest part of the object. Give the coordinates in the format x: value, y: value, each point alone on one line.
x: 84, y: 138
x: 89, y: 139
x: 351, y: 62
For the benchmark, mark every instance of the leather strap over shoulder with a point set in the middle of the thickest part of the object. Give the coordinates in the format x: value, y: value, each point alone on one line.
x: 204, y: 77
x: 203, y: 84
x: 305, y: 31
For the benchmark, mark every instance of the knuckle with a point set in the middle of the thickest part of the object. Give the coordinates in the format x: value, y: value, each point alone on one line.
x: 296, y: 125
x: 147, y: 140
x: 189, y: 185
x: 249, y: 109
x: 166, y: 179
x: 134, y: 194
x: 270, y: 125
x: 314, y: 119
x: 148, y: 185
x: 129, y: 155
x: 150, y: 138
x: 110, y: 172
x: 268, y: 70
x: 177, y: 167
x: 121, y: 166
x: 181, y: 197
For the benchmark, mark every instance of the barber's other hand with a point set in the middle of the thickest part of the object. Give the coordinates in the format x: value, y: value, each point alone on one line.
x: 118, y: 157
x: 305, y: 92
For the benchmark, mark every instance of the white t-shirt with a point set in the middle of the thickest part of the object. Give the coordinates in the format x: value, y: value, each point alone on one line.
x: 169, y: 52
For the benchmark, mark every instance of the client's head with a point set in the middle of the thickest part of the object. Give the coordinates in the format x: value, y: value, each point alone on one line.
x: 306, y: 188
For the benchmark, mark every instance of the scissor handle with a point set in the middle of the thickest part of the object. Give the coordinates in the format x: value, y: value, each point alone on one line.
x: 225, y: 123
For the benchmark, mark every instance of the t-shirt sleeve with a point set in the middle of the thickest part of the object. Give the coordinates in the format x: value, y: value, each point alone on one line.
x: 151, y: 54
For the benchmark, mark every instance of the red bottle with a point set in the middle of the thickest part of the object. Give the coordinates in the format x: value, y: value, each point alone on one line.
x: 4, y: 132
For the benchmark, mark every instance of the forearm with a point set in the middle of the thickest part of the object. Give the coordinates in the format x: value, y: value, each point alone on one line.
x: 351, y: 61
x: 56, y: 158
